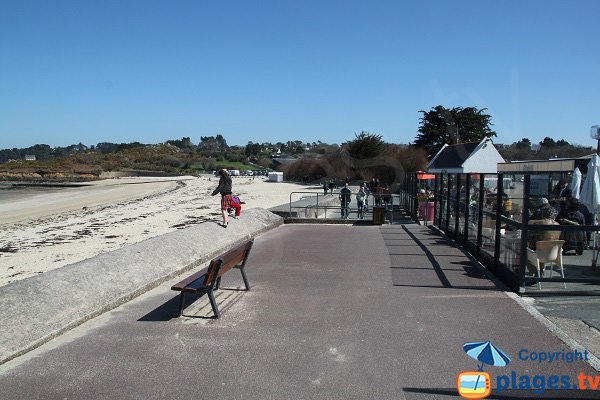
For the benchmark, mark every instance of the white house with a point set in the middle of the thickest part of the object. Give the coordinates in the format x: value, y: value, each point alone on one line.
x: 472, y: 157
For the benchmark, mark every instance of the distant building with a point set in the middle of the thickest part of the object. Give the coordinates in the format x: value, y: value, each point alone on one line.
x: 472, y: 157
x: 283, y: 161
x: 275, y: 176
x: 30, y: 157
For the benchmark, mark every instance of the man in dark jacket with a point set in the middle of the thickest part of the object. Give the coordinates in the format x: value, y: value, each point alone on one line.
x: 345, y: 196
x: 224, y: 189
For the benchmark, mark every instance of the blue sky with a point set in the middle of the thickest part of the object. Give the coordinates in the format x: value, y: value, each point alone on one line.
x: 149, y: 71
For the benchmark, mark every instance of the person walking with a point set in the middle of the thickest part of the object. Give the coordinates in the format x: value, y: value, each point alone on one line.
x: 331, y: 187
x: 325, y: 188
x: 224, y: 189
x: 367, y: 193
x: 360, y: 203
x: 345, y: 197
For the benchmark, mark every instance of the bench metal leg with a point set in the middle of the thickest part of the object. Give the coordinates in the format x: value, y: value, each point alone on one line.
x: 181, y: 303
x: 218, y: 285
x: 245, y: 278
x: 213, y: 304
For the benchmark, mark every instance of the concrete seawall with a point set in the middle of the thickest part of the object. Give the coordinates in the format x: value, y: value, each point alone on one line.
x: 37, y: 309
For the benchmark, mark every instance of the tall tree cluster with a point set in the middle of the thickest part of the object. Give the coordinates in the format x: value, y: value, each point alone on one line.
x: 442, y: 125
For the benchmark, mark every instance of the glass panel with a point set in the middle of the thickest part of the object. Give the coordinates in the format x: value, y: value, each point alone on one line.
x: 510, y: 250
x: 473, y: 208
x: 488, y: 230
x: 444, y: 200
x: 452, y: 201
x: 462, y: 192
x: 549, y: 207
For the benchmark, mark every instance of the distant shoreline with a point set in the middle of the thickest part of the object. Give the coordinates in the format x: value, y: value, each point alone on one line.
x: 11, y: 184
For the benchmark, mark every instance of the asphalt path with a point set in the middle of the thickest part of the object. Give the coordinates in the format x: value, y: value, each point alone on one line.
x: 335, y: 312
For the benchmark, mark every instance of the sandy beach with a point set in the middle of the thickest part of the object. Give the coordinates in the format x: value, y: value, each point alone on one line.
x: 49, y: 230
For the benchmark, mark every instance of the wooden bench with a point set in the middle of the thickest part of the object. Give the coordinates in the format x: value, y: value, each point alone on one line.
x: 208, y: 279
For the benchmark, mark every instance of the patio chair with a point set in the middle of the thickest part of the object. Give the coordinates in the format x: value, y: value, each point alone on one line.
x: 547, y: 252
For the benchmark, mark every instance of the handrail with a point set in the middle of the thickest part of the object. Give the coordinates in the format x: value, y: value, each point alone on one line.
x: 371, y: 199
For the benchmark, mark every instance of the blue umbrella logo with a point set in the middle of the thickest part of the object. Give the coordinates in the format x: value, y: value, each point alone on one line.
x: 486, y: 353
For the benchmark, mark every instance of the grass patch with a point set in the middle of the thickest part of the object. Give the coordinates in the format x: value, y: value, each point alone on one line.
x: 237, y: 165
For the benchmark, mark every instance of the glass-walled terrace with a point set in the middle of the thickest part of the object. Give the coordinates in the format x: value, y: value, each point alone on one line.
x: 498, y: 219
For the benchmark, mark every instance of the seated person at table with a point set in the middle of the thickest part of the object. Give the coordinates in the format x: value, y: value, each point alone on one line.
x: 541, y: 204
x: 572, y: 216
x: 535, y: 236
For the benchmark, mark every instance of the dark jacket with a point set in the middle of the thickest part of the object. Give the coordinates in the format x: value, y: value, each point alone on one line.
x: 345, y: 195
x: 572, y: 215
x: 562, y: 192
x: 224, y: 186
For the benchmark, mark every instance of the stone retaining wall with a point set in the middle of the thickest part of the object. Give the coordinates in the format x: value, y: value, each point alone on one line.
x: 39, y: 308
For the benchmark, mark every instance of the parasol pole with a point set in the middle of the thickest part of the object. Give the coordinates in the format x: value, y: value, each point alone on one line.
x: 595, y: 223
x: 595, y: 134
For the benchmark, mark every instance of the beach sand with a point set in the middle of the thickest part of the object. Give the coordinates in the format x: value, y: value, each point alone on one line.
x: 50, y: 230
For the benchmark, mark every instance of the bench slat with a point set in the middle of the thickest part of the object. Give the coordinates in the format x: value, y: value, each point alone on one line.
x: 232, y: 258
x: 184, y: 283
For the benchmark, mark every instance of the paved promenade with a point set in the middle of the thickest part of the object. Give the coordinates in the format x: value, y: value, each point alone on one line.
x: 335, y: 312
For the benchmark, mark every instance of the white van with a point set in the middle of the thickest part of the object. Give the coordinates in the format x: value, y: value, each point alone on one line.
x: 234, y: 172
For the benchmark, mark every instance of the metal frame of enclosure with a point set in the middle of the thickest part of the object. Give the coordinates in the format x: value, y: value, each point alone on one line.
x: 488, y: 215
x: 319, y: 206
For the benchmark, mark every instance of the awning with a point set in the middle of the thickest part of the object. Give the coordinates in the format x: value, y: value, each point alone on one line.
x: 424, y: 176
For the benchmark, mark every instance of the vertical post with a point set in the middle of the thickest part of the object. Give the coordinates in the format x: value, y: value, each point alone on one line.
x: 524, y: 233
x: 414, y: 191
x: 456, y: 207
x: 436, y: 201
x: 480, y: 215
x: 447, y: 221
x: 499, y: 191
x: 467, y: 201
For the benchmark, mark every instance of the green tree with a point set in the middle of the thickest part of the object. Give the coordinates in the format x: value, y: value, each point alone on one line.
x: 222, y: 142
x: 548, y: 142
x: 185, y: 143
x: 523, y: 144
x: 252, y: 149
x: 365, y: 145
x: 210, y: 143
x: 441, y: 126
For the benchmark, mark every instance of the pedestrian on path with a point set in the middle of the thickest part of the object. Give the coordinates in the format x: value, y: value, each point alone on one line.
x: 224, y: 189
x: 331, y: 187
x: 360, y: 202
x: 345, y: 198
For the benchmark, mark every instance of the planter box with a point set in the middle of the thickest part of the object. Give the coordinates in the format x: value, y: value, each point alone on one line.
x: 427, y: 210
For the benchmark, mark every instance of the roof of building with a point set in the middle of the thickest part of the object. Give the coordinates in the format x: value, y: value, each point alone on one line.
x: 454, y: 155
